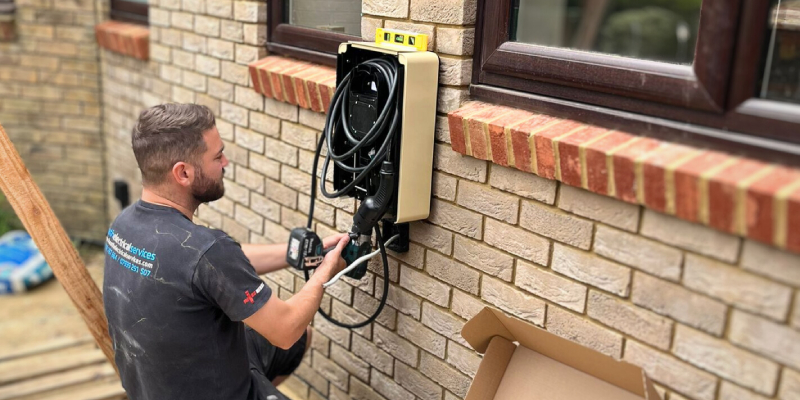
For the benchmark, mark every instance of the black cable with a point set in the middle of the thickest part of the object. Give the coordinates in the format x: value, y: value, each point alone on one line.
x: 335, y: 122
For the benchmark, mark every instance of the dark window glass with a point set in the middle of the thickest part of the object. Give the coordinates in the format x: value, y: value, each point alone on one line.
x: 780, y: 78
x: 130, y: 11
x: 342, y: 16
x: 659, y: 30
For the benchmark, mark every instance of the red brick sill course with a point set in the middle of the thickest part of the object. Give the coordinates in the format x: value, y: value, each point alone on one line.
x: 300, y: 83
x: 124, y: 38
x: 732, y: 194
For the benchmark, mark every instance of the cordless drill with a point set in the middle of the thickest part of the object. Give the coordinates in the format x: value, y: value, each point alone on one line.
x: 305, y: 250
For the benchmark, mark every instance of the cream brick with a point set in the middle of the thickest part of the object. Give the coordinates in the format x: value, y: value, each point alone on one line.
x: 183, y: 59
x: 281, y: 194
x: 171, y: 74
x: 223, y: 205
x: 250, y: 11
x: 465, y: 305
x: 487, y: 201
x: 169, y: 4
x: 421, y: 336
x: 770, y: 262
x: 317, y: 381
x: 796, y: 314
x: 417, y: 383
x: 367, y: 305
x: 182, y: 20
x: 291, y: 219
x: 160, y: 53
x: 385, y: 8
x: 285, y: 279
x: 374, y: 356
x: 385, y: 386
x: 591, y: 270
x: 376, y: 265
x: 361, y: 391
x: 676, y: 302
x: 418, y: 28
x: 443, y: 323
x: 194, y: 43
x: 265, y: 124
x: 556, y: 225
x: 741, y: 289
x: 335, y: 374
x: 483, y: 257
x: 725, y: 360
x: 235, y: 73
x: 778, y: 342
x: 322, y: 212
x: 398, y: 347
x: 220, y: 8
x: 444, y: 187
x: 252, y: 180
x: 255, y: 34
x: 672, y: 372
x: 280, y: 151
x: 454, y: 71
x: 194, y: 6
x: 265, y: 207
x: 210, y: 216
x: 444, y: 375
x: 338, y: 335
x: 232, y: 31
x: 274, y: 232
x: 790, y: 385
x: 690, y: 236
x: 295, y: 385
x: 550, y: 286
x: 431, y: 236
x: 599, y: 208
x: 237, y: 154
x: 250, y: 140
x: 586, y: 333
x: 221, y: 90
x: 401, y: 300
x: 464, y: 359
x: 233, y: 113
x: 729, y: 391
x: 297, y: 180
x: 195, y: 82
x: 312, y: 119
x: 509, y: 299
x: 206, y: 26
x: 221, y: 49
x: 454, y: 12
x: 369, y: 27
x: 629, y: 319
x: 284, y: 111
x: 447, y: 160
x: 635, y: 251
x: 523, y: 183
x: 450, y: 99
x: 453, y: 273
x: 207, y: 65
x: 456, y: 219
x: 517, y: 241
x: 424, y: 286
x: 415, y: 256
x: 159, y: 17
x: 235, y: 230
x: 236, y: 192
x: 181, y: 95
x: 299, y: 136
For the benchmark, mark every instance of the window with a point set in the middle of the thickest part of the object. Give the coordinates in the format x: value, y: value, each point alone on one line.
x: 129, y: 11
x: 714, y: 71
x: 312, y: 30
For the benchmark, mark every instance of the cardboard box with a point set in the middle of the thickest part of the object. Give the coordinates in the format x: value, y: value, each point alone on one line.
x: 545, y: 366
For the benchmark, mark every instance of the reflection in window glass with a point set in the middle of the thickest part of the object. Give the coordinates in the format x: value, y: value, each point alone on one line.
x: 781, y: 77
x: 342, y: 16
x: 660, y: 30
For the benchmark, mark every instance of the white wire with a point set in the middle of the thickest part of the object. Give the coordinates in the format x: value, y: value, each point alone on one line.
x: 357, y: 262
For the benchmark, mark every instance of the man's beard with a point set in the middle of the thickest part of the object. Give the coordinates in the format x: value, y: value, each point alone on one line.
x: 206, y: 190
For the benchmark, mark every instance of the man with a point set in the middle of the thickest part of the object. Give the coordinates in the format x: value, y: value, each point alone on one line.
x: 176, y: 293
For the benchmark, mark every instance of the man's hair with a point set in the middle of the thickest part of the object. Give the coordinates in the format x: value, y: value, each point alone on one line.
x: 169, y: 133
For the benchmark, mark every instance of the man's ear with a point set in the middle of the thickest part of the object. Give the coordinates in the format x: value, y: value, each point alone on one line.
x: 183, y: 173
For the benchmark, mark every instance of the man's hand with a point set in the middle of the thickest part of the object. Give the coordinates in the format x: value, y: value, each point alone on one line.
x: 333, y: 261
x: 332, y: 240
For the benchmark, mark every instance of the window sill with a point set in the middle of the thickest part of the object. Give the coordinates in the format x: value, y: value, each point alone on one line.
x: 300, y: 83
x: 736, y: 195
x: 125, y: 38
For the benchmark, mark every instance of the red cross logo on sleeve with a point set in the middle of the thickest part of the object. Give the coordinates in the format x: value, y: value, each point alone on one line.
x: 249, y: 296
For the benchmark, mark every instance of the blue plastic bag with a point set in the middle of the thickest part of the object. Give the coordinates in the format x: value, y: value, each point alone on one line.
x: 22, y: 266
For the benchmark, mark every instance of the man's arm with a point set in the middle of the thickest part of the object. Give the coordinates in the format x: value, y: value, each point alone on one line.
x: 283, y: 322
x: 266, y: 258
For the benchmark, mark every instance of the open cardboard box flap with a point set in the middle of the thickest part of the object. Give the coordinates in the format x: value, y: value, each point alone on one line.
x: 545, y: 366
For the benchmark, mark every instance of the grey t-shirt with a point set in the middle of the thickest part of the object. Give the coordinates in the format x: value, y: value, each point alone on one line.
x: 175, y: 294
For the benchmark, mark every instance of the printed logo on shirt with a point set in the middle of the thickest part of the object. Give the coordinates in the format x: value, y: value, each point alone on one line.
x: 249, y: 296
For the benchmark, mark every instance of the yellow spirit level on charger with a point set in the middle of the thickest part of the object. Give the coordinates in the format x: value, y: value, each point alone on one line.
x: 418, y: 41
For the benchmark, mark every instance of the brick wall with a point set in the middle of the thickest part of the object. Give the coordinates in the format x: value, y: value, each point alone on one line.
x: 50, y: 107
x: 710, y: 316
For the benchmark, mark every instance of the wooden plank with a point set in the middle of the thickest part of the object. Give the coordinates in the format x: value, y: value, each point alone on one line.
x: 41, y: 223
x: 109, y: 390
x: 31, y: 367
x: 56, y: 381
x: 39, y: 348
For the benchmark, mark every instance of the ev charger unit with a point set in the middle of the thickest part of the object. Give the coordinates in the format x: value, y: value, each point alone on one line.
x: 379, y: 133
